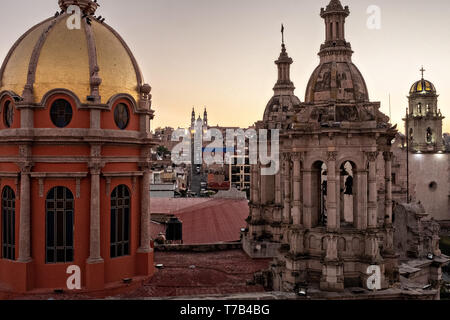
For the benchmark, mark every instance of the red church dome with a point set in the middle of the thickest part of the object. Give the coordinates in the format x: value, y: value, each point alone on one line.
x: 75, y: 145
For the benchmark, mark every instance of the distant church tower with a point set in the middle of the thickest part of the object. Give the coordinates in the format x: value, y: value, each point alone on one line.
x: 205, y: 119
x: 193, y: 118
x: 424, y: 119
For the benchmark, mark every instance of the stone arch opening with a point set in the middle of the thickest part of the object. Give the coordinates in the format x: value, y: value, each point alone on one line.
x: 429, y: 136
x: 319, y: 194
x: 347, y: 197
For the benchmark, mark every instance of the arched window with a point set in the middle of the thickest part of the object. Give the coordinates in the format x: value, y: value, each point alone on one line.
x: 59, y: 225
x: 8, y: 224
x: 8, y: 114
x: 319, y: 194
x: 429, y: 135
x: 121, y: 116
x: 120, y: 222
x: 348, y: 194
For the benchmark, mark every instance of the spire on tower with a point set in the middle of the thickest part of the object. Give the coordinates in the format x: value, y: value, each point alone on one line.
x: 284, y: 65
x: 422, y: 70
x: 334, y: 15
x: 193, y: 116
x: 205, y: 118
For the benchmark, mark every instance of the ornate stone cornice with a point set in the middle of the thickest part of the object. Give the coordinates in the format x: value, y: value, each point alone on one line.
x: 372, y: 156
x: 332, y: 156
x: 25, y: 167
x: 95, y: 167
x: 286, y: 156
x: 387, y: 155
x: 297, y: 156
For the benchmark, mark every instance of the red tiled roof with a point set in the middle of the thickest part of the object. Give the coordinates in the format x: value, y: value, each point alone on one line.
x: 221, y: 272
x: 217, y: 220
x: 170, y: 205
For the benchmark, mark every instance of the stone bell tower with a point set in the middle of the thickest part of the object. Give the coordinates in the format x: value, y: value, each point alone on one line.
x: 325, y: 208
x: 424, y: 119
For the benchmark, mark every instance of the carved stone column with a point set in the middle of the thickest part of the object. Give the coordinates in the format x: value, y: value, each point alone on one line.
x: 361, y: 200
x: 388, y: 176
x: 25, y: 213
x: 332, y: 219
x: 307, y: 204
x: 94, y: 238
x: 372, y: 213
x: 145, y: 211
x: 287, y: 187
x: 278, y: 188
x: 297, y: 203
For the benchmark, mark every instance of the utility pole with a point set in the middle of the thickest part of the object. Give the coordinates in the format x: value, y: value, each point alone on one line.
x: 407, y: 157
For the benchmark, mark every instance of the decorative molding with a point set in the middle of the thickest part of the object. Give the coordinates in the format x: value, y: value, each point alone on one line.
x: 58, y: 175
x: 388, y: 156
x: 332, y: 156
x: 17, y: 183
x: 96, y: 151
x: 71, y: 159
x: 95, y: 167
x: 9, y: 175
x: 297, y: 156
x: 372, y: 156
x: 95, y: 80
x: 286, y: 156
x: 78, y: 188
x: 41, y: 187
x: 122, y: 174
x: 32, y: 67
x: 25, y: 167
x: 133, y: 184
x: 108, y: 186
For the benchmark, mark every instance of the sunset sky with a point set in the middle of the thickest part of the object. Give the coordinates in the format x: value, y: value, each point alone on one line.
x: 220, y: 53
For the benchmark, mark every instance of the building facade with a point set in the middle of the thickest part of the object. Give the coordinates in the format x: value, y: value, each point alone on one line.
x: 428, y: 159
x: 75, y: 157
x: 322, y: 216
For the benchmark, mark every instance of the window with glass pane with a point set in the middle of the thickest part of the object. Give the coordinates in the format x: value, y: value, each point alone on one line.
x: 120, y: 222
x: 8, y: 114
x: 8, y: 224
x: 61, y: 113
x: 121, y: 116
x: 59, y: 225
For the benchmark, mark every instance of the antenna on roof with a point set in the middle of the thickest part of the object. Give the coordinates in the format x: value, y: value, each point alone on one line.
x: 390, y: 110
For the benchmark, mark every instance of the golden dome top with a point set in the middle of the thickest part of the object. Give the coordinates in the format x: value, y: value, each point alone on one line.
x: 90, y: 61
x: 423, y: 87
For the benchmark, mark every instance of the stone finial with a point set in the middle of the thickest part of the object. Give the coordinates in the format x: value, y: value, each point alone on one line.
x: 86, y: 6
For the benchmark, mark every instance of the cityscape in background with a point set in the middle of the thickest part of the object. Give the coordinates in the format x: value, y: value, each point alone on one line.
x: 95, y: 205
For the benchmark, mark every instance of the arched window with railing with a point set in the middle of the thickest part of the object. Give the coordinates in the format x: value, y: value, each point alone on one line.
x: 120, y: 221
x: 59, y: 226
x: 8, y: 224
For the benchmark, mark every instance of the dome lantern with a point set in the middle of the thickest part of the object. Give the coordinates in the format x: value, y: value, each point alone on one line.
x: 336, y: 78
x: 423, y: 86
x: 86, y: 6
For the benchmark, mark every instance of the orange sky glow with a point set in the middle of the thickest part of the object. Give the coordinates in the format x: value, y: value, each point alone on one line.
x: 220, y: 53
